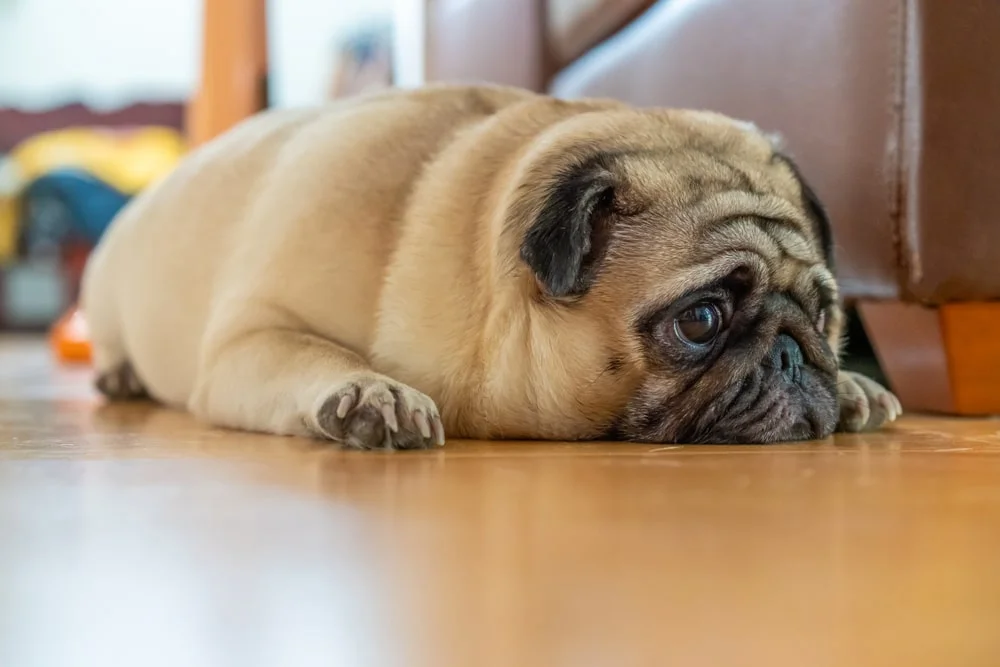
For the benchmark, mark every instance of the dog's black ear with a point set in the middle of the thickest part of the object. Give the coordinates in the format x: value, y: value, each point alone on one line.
x: 814, y: 209
x: 565, y: 244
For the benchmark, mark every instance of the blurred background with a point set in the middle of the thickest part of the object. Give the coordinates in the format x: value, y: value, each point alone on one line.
x: 99, y: 98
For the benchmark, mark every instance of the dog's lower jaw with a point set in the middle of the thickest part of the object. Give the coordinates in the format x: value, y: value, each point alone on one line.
x: 763, y: 408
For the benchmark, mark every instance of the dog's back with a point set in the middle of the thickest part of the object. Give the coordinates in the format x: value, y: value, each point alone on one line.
x: 239, y: 211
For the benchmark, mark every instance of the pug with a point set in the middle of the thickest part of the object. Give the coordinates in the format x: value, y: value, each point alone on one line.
x: 482, y: 262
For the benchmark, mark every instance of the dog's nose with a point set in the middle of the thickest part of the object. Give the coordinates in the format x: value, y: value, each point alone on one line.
x: 786, y: 357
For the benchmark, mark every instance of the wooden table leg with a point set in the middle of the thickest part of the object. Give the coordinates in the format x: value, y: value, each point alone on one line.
x: 233, y: 69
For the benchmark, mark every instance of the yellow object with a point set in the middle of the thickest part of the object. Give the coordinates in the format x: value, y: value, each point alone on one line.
x: 8, y: 228
x: 128, y: 160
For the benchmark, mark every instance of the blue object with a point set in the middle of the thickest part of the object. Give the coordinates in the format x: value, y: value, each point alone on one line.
x: 65, y: 205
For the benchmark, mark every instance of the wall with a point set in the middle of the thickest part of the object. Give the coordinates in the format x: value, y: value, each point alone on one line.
x: 109, y: 53
x: 303, y: 36
x: 106, y: 53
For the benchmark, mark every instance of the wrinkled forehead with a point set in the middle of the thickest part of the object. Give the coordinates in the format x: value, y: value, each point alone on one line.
x: 704, y: 223
x: 699, y: 163
x: 706, y: 195
x: 660, y: 280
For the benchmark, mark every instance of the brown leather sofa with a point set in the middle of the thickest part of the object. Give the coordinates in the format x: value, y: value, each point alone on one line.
x: 892, y: 108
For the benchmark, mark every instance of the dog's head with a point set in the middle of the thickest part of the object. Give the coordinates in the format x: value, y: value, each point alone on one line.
x: 689, y: 250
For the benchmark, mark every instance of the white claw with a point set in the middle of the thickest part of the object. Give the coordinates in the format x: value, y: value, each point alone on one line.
x: 421, y: 420
x: 389, y: 415
x: 890, y: 405
x: 438, y: 433
x: 344, y: 406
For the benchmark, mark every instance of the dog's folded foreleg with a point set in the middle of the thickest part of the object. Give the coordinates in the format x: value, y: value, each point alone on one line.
x: 285, y: 381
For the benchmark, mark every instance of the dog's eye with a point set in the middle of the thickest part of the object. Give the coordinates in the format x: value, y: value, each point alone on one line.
x: 699, y: 324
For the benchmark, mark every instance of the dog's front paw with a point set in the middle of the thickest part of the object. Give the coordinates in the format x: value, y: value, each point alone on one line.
x: 375, y: 412
x: 865, y: 405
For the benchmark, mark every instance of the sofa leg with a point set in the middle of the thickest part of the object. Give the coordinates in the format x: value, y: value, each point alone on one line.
x: 234, y: 67
x: 944, y: 359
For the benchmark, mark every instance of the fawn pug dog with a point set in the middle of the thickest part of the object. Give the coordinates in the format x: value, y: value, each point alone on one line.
x: 483, y: 262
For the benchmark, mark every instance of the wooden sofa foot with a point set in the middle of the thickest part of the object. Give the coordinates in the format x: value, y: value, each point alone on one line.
x: 944, y: 359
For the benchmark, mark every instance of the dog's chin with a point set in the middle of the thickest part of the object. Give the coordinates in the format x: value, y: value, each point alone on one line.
x: 768, y: 409
x: 786, y: 421
x: 762, y: 408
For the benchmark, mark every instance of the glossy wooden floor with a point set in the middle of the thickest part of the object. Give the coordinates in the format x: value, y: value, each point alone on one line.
x: 133, y: 536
